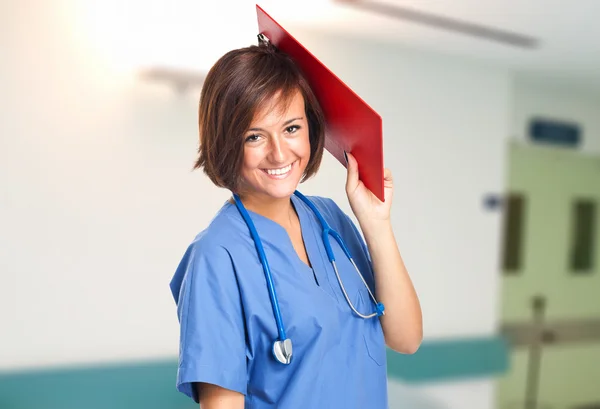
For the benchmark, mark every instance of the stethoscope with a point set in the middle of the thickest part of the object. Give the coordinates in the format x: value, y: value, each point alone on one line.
x: 282, y: 347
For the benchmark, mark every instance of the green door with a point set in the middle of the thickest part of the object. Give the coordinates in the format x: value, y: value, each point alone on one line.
x: 551, y: 281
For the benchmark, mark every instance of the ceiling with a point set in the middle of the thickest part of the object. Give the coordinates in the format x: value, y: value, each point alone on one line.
x: 568, y: 33
x: 193, y: 34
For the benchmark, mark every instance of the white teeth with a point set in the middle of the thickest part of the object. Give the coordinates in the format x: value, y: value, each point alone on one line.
x: 281, y: 171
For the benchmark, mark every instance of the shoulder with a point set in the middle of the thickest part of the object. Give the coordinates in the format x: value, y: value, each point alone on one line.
x: 343, y: 224
x: 208, y: 256
x: 326, y: 205
x: 221, y: 233
x: 330, y: 211
x: 336, y: 217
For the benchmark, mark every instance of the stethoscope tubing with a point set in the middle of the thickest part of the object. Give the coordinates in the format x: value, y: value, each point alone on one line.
x: 265, y: 265
x: 326, y: 232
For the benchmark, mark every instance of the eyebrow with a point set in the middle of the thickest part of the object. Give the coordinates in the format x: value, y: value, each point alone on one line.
x: 289, y: 121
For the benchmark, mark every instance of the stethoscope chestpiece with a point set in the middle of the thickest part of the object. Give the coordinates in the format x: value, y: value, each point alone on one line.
x: 282, y: 350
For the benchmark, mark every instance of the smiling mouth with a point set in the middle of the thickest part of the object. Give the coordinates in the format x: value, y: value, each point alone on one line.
x: 280, y: 171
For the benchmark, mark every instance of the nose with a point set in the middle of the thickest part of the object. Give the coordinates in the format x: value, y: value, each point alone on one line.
x: 278, y: 147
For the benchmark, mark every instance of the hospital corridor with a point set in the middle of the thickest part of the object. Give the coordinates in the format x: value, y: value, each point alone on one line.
x: 490, y: 125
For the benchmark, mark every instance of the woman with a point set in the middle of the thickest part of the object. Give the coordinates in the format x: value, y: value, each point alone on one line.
x: 261, y: 134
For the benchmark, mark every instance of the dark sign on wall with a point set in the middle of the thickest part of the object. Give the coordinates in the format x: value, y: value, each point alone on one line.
x: 555, y: 132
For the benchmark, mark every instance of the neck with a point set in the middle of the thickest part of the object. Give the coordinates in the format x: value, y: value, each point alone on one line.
x: 278, y: 210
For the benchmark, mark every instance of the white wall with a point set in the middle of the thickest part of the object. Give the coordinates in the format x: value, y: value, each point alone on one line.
x: 97, y: 202
x: 541, y: 99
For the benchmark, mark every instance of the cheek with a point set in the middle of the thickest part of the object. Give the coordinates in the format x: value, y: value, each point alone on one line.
x: 252, y: 158
x: 303, y: 146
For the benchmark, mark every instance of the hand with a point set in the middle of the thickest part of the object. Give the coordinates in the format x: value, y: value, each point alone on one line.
x: 365, y: 205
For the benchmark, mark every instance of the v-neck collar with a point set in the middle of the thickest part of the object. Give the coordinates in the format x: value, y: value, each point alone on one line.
x: 281, y: 232
x: 313, y: 243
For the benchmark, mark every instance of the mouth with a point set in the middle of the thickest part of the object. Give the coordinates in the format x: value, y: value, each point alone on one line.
x: 279, y: 173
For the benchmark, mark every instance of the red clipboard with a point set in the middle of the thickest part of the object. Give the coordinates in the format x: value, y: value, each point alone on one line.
x: 351, y: 124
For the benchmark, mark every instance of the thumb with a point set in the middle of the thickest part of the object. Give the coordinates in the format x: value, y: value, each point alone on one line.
x: 352, y: 177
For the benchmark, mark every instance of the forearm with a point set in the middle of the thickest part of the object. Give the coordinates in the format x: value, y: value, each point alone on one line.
x: 402, y: 322
x: 214, y: 397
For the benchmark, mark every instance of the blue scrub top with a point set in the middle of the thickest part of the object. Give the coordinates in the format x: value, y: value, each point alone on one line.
x: 228, y: 327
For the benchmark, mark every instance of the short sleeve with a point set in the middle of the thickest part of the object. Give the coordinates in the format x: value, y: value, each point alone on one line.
x: 212, y: 346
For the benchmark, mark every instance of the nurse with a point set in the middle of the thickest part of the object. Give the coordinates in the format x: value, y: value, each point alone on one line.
x: 267, y: 319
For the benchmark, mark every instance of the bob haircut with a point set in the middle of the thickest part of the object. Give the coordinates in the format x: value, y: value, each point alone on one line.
x: 236, y: 87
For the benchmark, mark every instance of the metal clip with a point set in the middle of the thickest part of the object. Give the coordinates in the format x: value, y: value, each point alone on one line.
x: 262, y: 39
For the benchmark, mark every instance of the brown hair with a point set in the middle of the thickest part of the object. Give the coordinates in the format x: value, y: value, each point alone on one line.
x: 235, y: 88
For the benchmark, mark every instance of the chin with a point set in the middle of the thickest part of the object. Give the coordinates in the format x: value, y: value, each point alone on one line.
x: 280, y: 192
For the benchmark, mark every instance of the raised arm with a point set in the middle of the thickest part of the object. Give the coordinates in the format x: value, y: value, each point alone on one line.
x: 402, y: 323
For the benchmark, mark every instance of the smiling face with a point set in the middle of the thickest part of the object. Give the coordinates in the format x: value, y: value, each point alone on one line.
x: 276, y: 150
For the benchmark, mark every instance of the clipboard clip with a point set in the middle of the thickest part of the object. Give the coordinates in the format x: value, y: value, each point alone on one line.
x: 263, y: 39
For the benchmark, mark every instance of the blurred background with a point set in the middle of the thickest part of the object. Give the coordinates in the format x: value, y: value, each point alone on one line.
x: 491, y: 113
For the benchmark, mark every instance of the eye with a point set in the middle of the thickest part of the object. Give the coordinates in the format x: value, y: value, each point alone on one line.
x: 252, y: 138
x: 292, y: 129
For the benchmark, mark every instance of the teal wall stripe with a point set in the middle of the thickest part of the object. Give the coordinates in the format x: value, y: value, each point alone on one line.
x: 151, y: 385
x: 148, y: 385
x: 451, y: 359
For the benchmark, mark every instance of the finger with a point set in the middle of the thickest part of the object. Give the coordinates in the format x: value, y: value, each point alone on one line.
x: 388, y: 180
x: 352, y: 177
x: 387, y: 174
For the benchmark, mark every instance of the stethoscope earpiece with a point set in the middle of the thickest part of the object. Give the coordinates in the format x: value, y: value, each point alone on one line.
x: 282, y: 350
